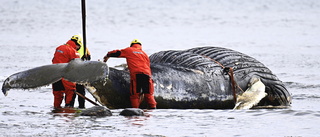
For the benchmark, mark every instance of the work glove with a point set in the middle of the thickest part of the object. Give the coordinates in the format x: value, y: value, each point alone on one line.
x: 86, y: 57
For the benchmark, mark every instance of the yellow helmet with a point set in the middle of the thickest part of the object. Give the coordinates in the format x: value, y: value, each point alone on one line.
x: 135, y: 41
x: 77, y: 39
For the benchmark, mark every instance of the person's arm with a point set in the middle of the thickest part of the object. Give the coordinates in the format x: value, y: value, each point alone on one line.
x: 114, y: 53
x: 71, y: 53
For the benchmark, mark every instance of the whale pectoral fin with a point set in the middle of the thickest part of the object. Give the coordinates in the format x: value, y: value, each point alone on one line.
x: 74, y: 71
x: 251, y: 96
x: 33, y: 78
x: 86, y: 71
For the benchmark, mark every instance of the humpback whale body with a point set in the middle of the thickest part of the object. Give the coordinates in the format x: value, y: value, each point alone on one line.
x: 200, y: 78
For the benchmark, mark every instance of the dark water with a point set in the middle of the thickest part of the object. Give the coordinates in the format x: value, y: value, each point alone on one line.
x: 284, y: 35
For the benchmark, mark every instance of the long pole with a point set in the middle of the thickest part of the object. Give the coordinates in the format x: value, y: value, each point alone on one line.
x: 83, y: 7
x: 94, y: 103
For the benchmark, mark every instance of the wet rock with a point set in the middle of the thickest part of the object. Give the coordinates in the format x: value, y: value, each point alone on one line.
x: 96, y: 111
x: 132, y: 112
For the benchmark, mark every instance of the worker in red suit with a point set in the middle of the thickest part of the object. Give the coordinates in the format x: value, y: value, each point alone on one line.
x: 64, y: 54
x: 141, y: 83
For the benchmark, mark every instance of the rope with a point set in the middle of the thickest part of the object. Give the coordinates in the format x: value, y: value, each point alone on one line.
x: 229, y: 70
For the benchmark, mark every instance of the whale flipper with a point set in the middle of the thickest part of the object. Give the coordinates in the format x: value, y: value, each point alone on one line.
x: 33, y: 78
x: 74, y: 71
x: 85, y: 71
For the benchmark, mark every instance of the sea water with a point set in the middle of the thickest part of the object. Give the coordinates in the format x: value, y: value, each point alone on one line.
x: 282, y: 34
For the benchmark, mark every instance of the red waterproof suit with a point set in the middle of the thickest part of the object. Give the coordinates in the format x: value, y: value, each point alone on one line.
x: 64, y: 54
x: 140, y: 74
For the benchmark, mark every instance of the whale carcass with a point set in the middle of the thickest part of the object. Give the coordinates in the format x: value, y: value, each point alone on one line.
x: 201, y: 78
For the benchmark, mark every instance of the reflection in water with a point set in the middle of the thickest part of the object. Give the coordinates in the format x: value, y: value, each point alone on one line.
x: 64, y: 110
x: 136, y: 120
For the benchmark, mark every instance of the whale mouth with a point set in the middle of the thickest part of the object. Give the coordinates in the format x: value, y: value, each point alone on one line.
x: 206, y: 59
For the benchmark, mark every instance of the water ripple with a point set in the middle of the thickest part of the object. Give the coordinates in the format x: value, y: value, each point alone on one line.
x: 301, y: 85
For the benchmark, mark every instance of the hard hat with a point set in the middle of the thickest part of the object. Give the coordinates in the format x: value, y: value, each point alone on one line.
x: 136, y: 41
x: 77, y: 39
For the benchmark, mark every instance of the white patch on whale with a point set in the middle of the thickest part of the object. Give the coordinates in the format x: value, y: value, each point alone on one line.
x: 252, y: 95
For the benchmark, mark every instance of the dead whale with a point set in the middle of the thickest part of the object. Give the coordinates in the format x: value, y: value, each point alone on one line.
x: 197, y: 78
